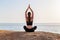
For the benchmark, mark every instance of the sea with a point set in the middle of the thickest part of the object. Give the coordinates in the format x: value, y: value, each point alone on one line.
x: 45, y: 27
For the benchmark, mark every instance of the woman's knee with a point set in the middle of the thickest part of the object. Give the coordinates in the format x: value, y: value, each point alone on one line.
x: 35, y: 27
x: 24, y: 27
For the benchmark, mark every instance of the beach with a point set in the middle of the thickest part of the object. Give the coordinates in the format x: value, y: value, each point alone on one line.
x: 17, y: 35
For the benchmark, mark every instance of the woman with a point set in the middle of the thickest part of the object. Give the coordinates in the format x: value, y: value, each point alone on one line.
x: 29, y: 20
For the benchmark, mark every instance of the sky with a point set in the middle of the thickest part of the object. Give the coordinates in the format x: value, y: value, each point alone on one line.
x: 45, y: 11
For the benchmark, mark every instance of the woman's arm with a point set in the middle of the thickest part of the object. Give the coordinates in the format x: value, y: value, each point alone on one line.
x: 32, y: 12
x: 26, y: 12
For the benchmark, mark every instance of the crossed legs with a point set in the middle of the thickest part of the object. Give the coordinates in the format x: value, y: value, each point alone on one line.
x: 30, y: 30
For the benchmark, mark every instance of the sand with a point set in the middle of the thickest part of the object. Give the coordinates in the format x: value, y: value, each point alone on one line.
x: 13, y: 35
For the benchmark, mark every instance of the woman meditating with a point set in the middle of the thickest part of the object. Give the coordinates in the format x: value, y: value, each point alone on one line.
x: 29, y: 20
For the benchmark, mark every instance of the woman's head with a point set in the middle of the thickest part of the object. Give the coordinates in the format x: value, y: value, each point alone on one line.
x: 29, y: 13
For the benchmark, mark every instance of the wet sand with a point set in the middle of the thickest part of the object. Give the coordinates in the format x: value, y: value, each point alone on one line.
x: 13, y: 35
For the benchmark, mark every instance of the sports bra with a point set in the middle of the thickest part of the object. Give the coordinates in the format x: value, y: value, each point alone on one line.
x: 29, y: 23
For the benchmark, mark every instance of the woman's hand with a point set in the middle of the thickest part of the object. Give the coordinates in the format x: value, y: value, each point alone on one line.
x: 29, y: 6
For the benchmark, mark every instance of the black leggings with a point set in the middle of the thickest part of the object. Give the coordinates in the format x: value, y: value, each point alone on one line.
x: 30, y: 30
